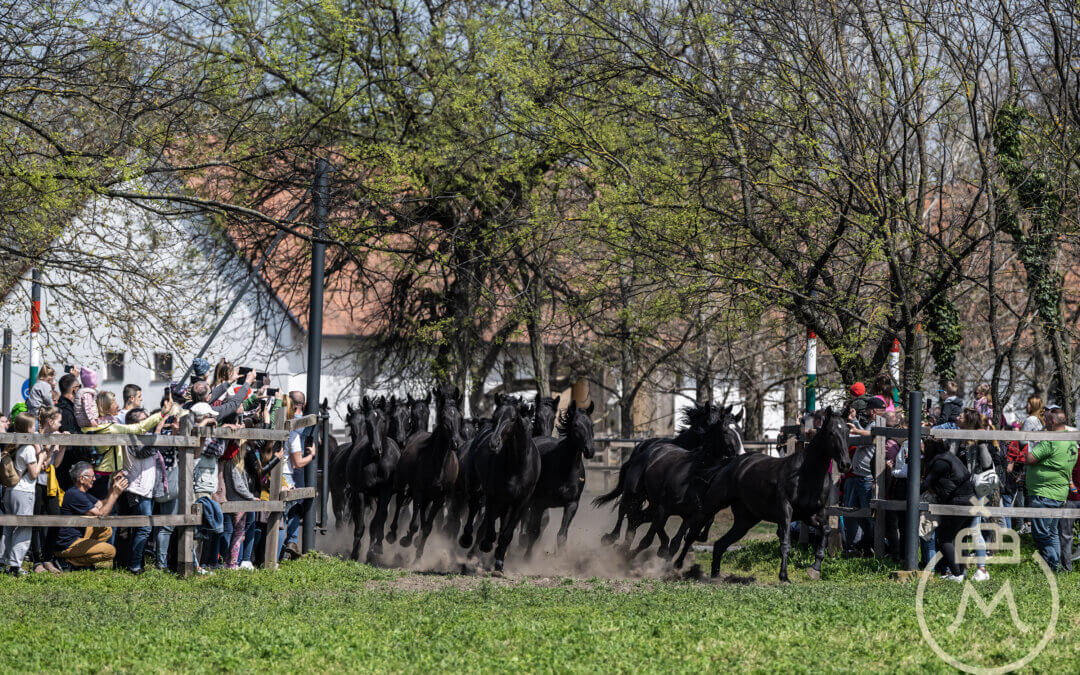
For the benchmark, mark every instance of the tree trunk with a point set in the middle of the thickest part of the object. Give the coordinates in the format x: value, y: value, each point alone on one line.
x: 538, y: 351
x: 753, y: 395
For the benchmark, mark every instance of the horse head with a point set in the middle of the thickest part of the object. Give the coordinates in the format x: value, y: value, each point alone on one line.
x: 505, y: 419
x: 419, y: 412
x: 355, y: 422
x: 375, y: 428
x: 832, y: 439
x: 576, y: 424
x: 398, y: 415
x: 448, y: 412
x: 546, y: 410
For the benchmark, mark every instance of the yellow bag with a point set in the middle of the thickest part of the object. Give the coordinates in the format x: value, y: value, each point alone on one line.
x: 52, y: 486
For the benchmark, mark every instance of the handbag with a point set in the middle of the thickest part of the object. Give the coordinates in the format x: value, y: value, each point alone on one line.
x: 985, y: 482
x: 167, y: 480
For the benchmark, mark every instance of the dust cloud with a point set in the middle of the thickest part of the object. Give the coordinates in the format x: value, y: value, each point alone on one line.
x: 583, y: 556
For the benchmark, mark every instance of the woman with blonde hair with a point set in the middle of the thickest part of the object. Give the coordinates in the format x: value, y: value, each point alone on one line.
x: 41, y: 394
x: 109, y: 460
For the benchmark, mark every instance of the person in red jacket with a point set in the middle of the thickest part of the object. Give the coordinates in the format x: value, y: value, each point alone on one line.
x: 1065, y: 526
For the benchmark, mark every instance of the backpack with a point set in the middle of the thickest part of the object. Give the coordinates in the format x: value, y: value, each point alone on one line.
x: 9, y: 475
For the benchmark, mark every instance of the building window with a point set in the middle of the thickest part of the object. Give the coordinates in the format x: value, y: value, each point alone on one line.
x: 162, y: 367
x: 114, y: 366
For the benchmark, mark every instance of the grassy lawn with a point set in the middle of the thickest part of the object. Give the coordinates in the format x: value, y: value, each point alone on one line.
x: 324, y: 614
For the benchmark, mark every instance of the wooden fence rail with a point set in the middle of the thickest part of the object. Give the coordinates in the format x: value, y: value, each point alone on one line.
x: 189, y: 514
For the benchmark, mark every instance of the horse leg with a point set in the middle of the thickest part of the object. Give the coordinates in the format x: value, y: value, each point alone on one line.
x: 378, y: 525
x: 669, y: 552
x: 613, y: 536
x: 487, y: 527
x: 511, y: 518
x: 568, y: 513
x: 738, y: 530
x: 466, y: 540
x: 358, y: 526
x: 785, y: 539
x: 418, y: 505
x: 427, y: 523
x: 533, y: 518
x: 657, y: 528
x: 819, y: 553
x: 690, y: 539
x: 391, y: 536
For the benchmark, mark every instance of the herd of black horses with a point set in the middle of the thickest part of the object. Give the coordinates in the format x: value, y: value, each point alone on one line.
x: 481, y: 481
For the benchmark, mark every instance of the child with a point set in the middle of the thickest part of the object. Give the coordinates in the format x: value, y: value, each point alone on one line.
x: 86, y: 412
x: 19, y: 499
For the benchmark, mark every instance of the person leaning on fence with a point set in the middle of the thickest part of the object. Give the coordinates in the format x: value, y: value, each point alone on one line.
x: 948, y: 480
x: 87, y: 547
x: 18, y: 499
x: 206, y: 479
x: 978, y: 457
x: 296, y: 462
x: 1049, y: 469
x: 167, y: 483
x: 1065, y: 525
x: 41, y: 394
x: 47, y: 494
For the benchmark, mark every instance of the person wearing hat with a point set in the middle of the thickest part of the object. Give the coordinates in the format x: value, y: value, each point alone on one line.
x: 199, y: 368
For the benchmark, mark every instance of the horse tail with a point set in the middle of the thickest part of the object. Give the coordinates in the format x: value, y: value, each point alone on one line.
x: 615, y: 493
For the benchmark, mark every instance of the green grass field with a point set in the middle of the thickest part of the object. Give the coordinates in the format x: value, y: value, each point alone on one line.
x: 323, y: 614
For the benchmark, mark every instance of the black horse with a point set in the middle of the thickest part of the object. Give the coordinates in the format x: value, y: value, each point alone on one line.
x: 501, y: 469
x: 673, y: 486
x: 397, y: 414
x: 428, y: 468
x: 562, y: 473
x: 372, y: 462
x: 630, y: 488
x: 779, y: 490
x: 337, y: 464
x: 545, y: 410
x: 419, y: 412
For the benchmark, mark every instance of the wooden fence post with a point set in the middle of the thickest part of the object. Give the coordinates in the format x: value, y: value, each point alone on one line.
x: 185, y: 546
x: 274, y: 518
x: 877, y: 491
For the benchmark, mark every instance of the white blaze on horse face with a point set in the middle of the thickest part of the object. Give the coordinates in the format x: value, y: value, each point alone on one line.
x: 738, y: 436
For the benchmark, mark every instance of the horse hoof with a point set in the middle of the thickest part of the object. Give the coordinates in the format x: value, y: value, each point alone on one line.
x: 465, y: 541
x: 813, y: 573
x: 391, y: 537
x: 406, y: 540
x: 499, y: 566
x: 608, y: 539
x: 486, y: 546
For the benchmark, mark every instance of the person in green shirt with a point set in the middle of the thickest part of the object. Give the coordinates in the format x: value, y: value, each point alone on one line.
x: 1049, y: 468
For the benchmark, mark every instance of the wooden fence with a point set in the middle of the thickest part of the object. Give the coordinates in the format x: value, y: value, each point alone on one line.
x: 189, y: 514
x: 879, y: 506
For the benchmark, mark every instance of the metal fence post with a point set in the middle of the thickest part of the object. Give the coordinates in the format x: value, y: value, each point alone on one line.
x: 911, y: 531
x: 880, y: 514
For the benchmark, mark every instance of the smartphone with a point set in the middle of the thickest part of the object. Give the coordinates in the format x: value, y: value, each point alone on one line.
x: 261, y: 379
x: 271, y: 393
x: 243, y: 374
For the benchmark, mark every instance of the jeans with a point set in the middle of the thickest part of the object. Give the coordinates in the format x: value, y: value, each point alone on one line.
x: 252, y: 536
x: 1006, y: 501
x: 980, y: 543
x: 142, y: 506
x: 858, y: 532
x: 219, y: 548
x: 1045, y: 531
x: 1065, y: 534
x: 292, y: 526
x: 163, y: 533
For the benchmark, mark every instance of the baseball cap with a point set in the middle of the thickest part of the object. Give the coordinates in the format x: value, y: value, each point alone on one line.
x: 858, y: 389
x: 202, y: 409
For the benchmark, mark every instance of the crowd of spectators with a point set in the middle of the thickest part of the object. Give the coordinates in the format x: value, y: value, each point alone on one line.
x: 142, y: 479
x: 1040, y: 474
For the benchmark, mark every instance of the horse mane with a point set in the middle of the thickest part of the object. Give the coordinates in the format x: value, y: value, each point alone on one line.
x: 696, y: 415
